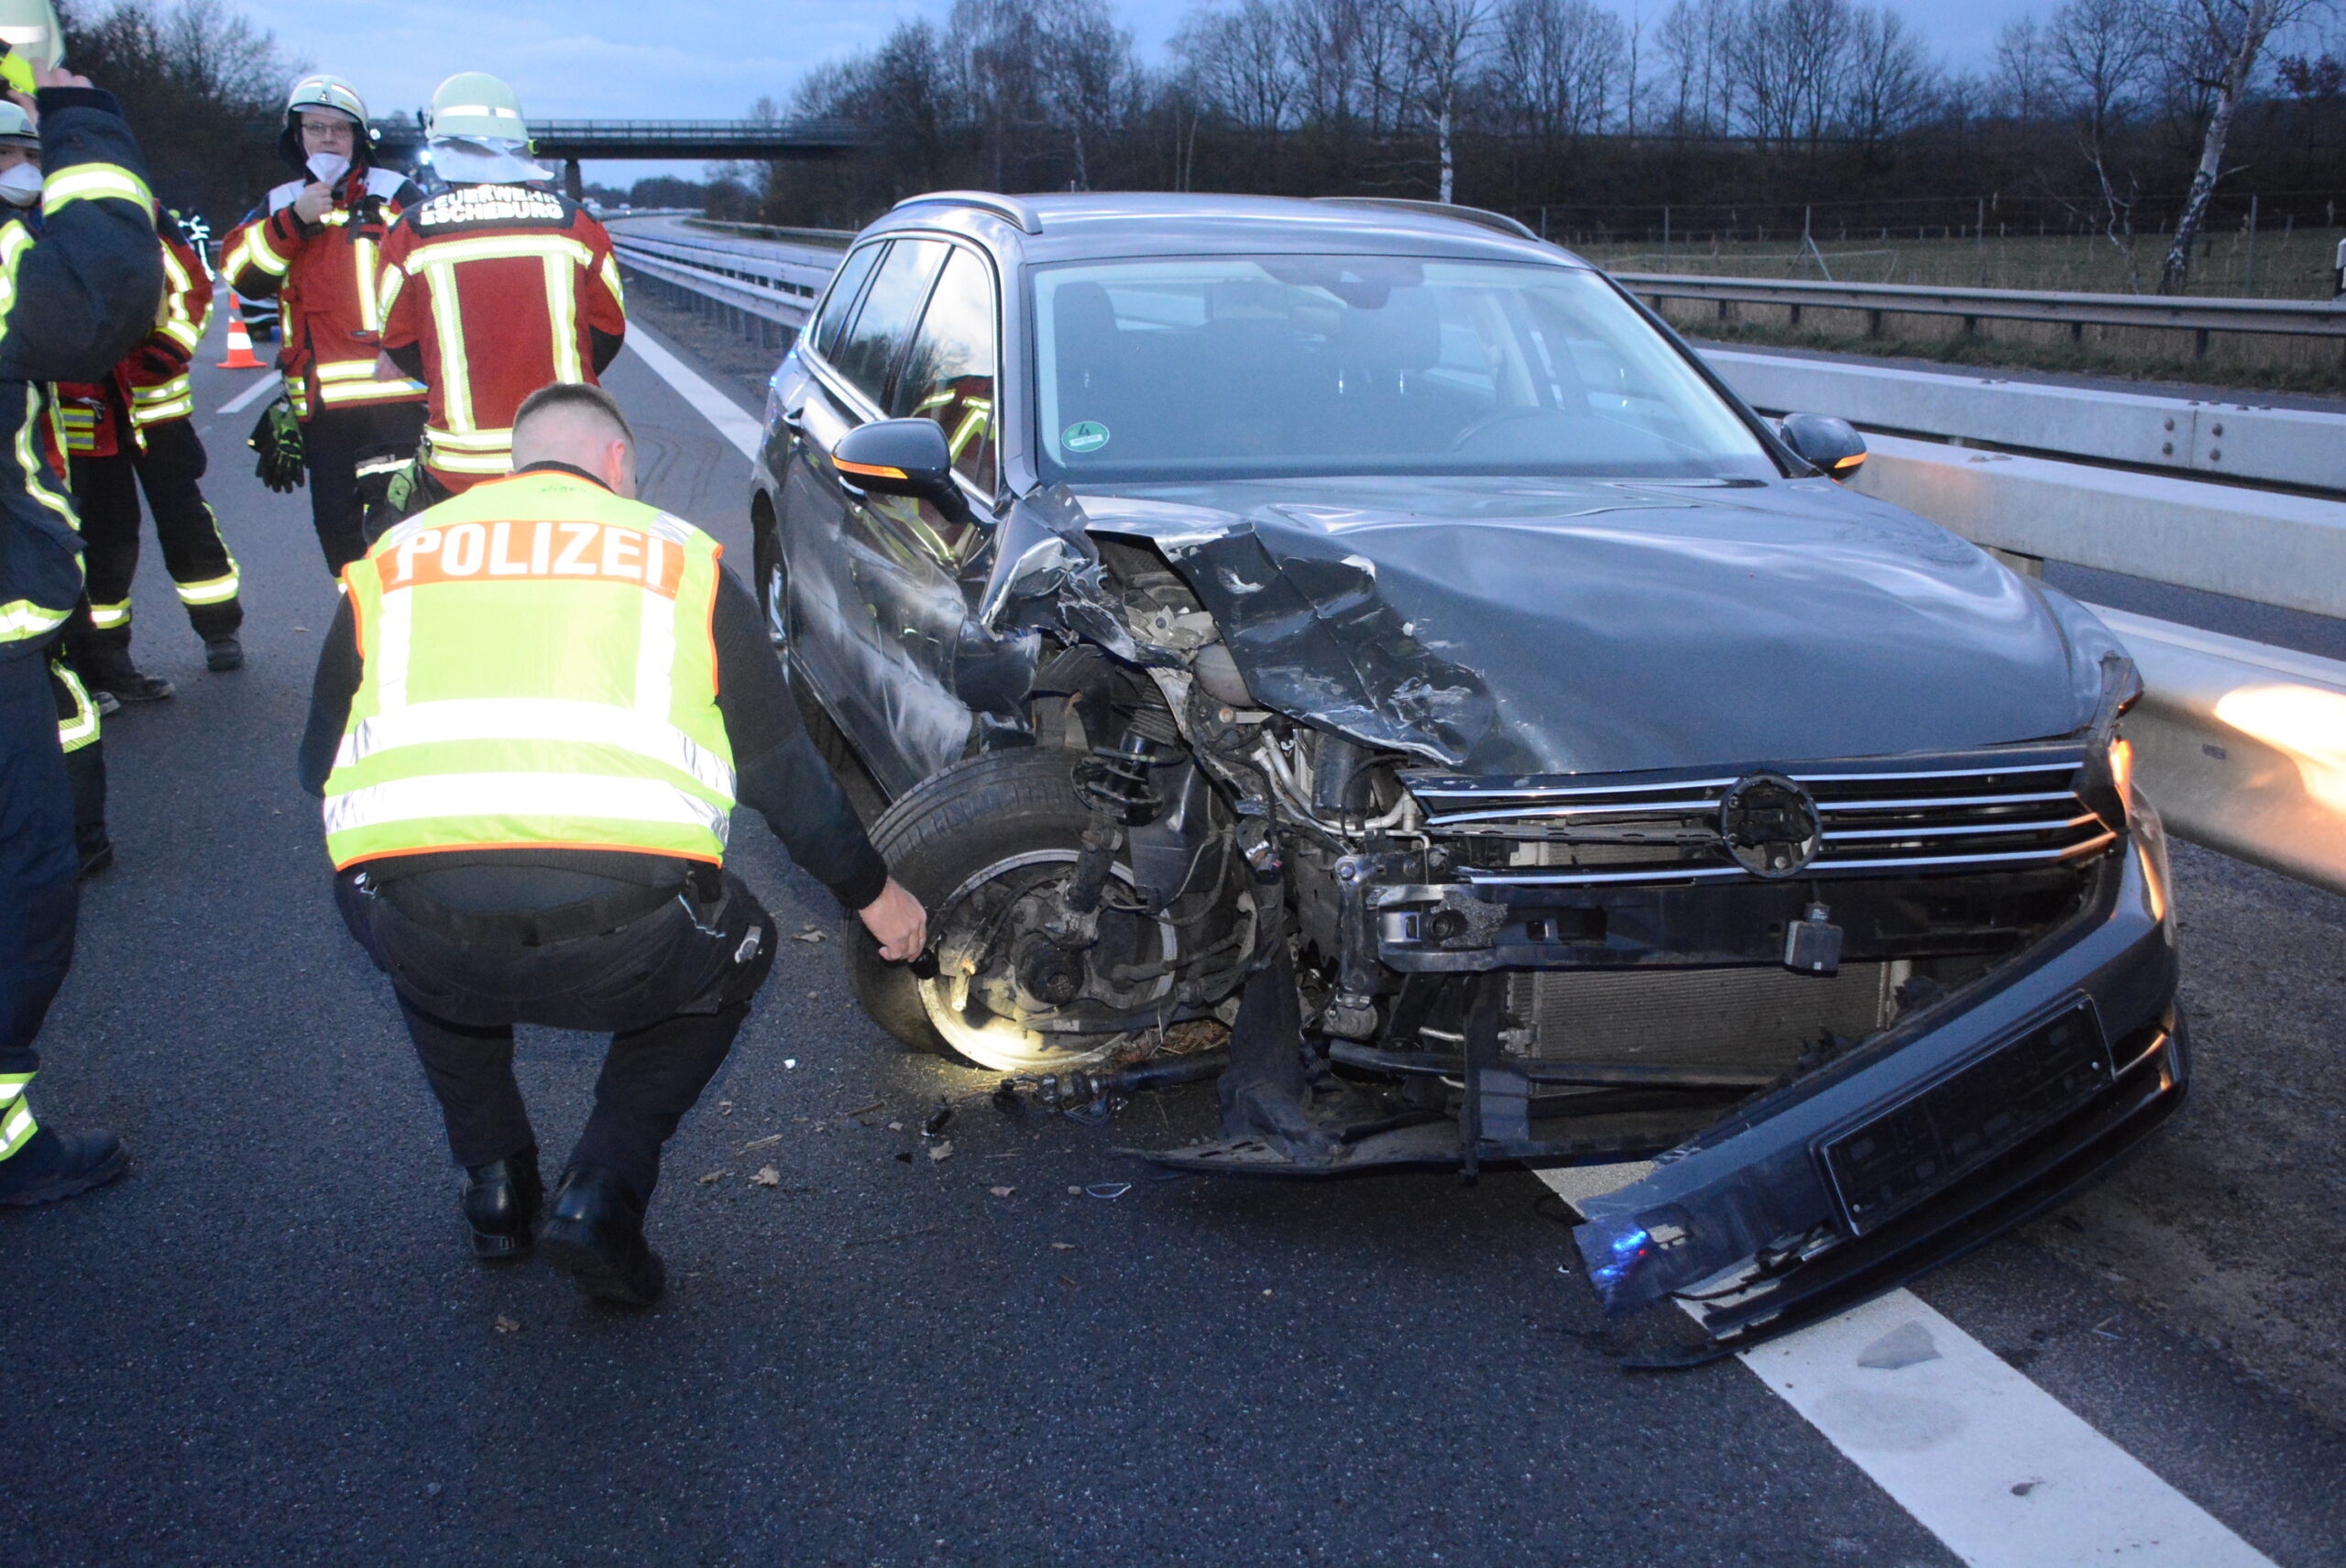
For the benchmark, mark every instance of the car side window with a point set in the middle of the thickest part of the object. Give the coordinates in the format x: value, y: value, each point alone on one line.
x: 890, y: 305
x: 948, y: 376
x: 840, y: 303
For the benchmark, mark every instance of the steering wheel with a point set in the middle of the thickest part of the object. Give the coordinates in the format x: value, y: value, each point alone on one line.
x: 1496, y: 418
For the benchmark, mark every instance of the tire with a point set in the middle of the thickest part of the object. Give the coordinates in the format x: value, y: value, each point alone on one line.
x: 957, y: 841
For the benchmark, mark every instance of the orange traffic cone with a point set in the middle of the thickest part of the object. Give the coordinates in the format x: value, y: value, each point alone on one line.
x: 240, y: 341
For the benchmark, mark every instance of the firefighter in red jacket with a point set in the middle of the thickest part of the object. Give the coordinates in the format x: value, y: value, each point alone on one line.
x: 316, y: 244
x: 492, y: 287
x: 132, y: 431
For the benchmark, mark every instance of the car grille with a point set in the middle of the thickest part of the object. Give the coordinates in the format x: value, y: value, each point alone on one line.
x: 1752, y: 1020
x: 2002, y: 810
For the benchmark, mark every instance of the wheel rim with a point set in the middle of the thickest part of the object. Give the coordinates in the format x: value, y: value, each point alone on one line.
x: 988, y: 1016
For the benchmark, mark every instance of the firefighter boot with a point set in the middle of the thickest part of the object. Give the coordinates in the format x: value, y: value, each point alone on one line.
x: 110, y: 669
x: 50, y: 1164
x: 596, y: 1236
x: 223, y: 654
x: 501, y: 1203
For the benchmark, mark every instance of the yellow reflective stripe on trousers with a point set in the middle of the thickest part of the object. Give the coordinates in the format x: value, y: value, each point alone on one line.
x: 474, y: 796
x: 94, y: 182
x: 82, y: 730
x: 211, y: 590
x: 644, y: 730
x: 106, y: 617
x: 16, y: 1129
x: 12, y: 1084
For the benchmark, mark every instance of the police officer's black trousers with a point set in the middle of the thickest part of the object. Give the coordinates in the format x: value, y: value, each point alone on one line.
x: 106, y: 492
x: 336, y: 442
x: 39, y: 874
x: 668, y: 973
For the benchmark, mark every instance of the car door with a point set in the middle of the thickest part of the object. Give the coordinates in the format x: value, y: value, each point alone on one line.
x: 913, y: 557
x: 837, y: 642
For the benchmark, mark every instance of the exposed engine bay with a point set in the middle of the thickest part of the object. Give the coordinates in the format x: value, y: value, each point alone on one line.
x: 1262, y: 803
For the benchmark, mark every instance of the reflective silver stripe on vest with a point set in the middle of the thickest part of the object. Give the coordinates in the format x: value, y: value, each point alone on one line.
x: 542, y: 719
x: 477, y: 795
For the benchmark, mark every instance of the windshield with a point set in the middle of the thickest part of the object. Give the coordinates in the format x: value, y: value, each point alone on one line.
x: 1246, y: 366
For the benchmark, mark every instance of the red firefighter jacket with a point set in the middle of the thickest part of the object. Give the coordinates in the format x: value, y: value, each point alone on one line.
x: 152, y: 385
x: 490, y: 293
x: 323, y: 276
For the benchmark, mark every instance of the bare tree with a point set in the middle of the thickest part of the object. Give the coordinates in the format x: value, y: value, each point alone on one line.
x: 1556, y: 65
x: 2100, y: 53
x: 1692, y: 40
x: 1446, y: 39
x: 1241, y: 62
x: 2230, y: 35
x: 1887, y: 82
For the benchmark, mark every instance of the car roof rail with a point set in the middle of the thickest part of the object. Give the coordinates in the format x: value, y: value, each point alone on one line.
x: 1480, y: 217
x: 1018, y: 212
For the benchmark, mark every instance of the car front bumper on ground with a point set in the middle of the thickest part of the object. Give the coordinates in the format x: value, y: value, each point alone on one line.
x: 1942, y: 1133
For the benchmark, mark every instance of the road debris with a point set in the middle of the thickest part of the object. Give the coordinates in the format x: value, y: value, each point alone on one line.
x: 790, y: 1064
x: 938, y: 1119
x: 767, y: 1176
x: 1110, y: 1189
x: 714, y: 1177
x: 1904, y: 1346
x: 506, y: 1325
x: 762, y: 1143
x: 1005, y: 1097
x: 809, y: 936
x: 1001, y: 1191
x: 1062, y: 1246
x: 940, y: 1151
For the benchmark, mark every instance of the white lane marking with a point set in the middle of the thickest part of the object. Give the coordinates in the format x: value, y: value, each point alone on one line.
x: 253, y: 394
x: 2002, y: 1472
x: 731, y: 421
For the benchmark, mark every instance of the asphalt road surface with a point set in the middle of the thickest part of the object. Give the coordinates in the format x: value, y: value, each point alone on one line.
x: 270, y: 1342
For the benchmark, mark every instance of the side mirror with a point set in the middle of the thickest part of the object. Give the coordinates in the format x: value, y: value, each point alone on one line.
x: 901, y: 457
x: 1826, y: 442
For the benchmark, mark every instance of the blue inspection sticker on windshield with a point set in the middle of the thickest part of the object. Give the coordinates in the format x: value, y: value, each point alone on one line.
x: 1084, y: 436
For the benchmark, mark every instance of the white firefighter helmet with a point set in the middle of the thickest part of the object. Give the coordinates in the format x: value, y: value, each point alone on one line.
x: 16, y: 127
x: 478, y: 107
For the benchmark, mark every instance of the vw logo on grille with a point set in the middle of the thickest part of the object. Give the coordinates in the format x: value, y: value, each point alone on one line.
x: 1771, y: 826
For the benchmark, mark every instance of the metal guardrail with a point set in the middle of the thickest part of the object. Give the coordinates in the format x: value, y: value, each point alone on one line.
x: 2303, y: 449
x: 565, y: 139
x: 2296, y: 318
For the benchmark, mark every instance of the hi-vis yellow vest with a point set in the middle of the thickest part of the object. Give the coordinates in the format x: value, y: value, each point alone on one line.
x: 540, y: 672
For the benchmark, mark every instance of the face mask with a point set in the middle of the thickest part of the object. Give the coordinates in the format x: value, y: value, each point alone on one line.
x: 20, y: 185
x: 327, y: 168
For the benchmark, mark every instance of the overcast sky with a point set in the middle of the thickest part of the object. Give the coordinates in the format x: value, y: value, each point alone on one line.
x: 711, y: 58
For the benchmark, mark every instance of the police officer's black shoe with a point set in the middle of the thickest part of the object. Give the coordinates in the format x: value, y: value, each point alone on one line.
x: 596, y: 1236
x: 54, y: 1165
x: 223, y: 654
x: 501, y: 1203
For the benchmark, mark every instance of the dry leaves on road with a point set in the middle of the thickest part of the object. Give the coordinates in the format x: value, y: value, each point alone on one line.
x: 506, y: 1325
x: 714, y: 1177
x: 767, y: 1176
x: 1001, y: 1191
x: 940, y: 1151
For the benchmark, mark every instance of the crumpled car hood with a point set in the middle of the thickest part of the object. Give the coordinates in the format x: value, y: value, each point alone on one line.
x: 1512, y: 626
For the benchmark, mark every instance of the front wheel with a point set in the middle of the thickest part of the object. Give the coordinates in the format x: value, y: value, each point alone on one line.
x: 988, y: 847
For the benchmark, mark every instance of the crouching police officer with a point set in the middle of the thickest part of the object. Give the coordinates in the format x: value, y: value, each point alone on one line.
x: 538, y: 704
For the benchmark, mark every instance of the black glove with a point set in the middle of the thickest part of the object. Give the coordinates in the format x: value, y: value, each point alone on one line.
x: 278, y: 439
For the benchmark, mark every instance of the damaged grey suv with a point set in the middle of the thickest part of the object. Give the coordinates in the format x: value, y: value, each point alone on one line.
x: 1370, y: 632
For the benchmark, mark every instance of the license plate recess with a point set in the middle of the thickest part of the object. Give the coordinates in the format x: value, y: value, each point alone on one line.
x: 1938, y: 1135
